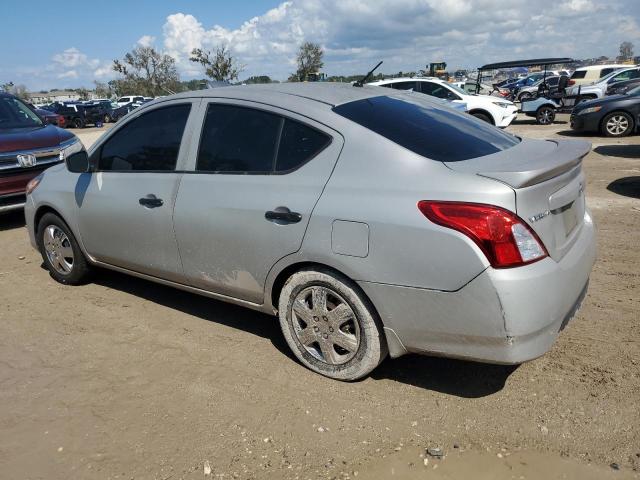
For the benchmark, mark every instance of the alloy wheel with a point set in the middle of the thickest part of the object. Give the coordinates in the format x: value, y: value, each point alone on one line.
x: 325, y: 325
x: 617, y: 125
x: 58, y: 249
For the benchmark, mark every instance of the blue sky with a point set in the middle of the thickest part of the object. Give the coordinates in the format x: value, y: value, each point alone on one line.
x: 72, y: 43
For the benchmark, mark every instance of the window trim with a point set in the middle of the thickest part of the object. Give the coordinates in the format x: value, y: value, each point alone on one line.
x: 96, y: 155
x: 255, y: 106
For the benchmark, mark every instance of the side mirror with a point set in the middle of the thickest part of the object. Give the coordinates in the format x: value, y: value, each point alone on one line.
x: 78, y: 162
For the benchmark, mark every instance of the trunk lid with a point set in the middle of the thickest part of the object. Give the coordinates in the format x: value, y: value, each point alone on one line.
x: 547, y: 178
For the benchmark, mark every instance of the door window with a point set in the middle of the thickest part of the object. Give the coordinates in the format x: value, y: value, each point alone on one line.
x: 148, y: 143
x: 298, y: 144
x: 244, y: 140
x: 606, y: 71
x: 437, y: 90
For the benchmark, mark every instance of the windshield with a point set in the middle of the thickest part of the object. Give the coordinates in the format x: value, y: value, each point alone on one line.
x: 15, y: 114
x: 457, y: 89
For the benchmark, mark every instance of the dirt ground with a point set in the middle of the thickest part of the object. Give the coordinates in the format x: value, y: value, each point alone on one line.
x: 127, y: 379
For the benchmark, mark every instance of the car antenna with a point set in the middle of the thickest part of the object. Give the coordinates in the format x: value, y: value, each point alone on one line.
x: 360, y: 83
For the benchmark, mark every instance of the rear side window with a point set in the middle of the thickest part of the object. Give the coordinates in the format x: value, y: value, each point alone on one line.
x: 245, y: 140
x: 579, y: 74
x: 298, y: 144
x: 433, y: 132
x: 150, y: 142
x: 606, y: 71
x: 404, y: 86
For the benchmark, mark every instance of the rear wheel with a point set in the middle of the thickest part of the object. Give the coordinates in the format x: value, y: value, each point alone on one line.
x: 330, y: 326
x: 524, y: 96
x: 617, y: 124
x: 60, y: 251
x: 545, y: 115
x: 482, y: 116
x: 78, y: 123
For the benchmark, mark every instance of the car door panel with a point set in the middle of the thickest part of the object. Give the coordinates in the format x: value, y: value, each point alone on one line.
x: 226, y: 243
x: 126, y: 216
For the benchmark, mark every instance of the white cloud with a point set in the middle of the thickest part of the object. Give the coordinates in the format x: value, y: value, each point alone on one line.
x: 68, y: 74
x: 146, y: 40
x: 408, y: 34
x: 72, y: 57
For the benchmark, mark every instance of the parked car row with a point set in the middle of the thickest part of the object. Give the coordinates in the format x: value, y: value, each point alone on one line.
x: 91, y: 112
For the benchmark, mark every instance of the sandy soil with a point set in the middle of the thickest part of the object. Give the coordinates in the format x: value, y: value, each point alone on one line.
x: 123, y: 378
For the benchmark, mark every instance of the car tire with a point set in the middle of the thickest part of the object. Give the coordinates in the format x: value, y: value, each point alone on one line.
x: 60, y: 251
x: 617, y: 124
x: 107, y: 119
x: 330, y: 325
x: 524, y: 96
x: 78, y: 123
x: 482, y: 116
x: 545, y: 115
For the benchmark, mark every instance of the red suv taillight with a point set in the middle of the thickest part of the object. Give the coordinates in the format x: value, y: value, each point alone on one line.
x: 571, y: 82
x: 503, y: 237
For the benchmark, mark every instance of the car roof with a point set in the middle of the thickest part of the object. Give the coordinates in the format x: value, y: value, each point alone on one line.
x: 329, y: 93
x: 608, y: 65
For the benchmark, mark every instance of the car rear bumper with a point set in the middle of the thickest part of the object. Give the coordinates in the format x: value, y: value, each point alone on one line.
x: 502, y: 316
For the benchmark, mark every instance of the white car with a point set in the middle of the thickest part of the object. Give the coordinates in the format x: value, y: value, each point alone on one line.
x: 129, y: 98
x: 598, y: 89
x: 494, y: 110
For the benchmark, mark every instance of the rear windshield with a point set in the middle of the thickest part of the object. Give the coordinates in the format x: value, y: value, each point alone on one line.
x: 579, y: 74
x: 433, y: 132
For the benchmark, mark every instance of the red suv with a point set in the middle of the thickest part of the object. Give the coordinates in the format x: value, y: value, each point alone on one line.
x: 27, y: 147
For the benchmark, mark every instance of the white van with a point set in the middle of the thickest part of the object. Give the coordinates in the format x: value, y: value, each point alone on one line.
x: 593, y: 73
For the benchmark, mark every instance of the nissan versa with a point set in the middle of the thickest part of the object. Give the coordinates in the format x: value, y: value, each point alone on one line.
x: 371, y: 222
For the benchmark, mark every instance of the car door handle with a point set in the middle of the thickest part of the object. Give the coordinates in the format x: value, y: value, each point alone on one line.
x: 151, y: 201
x: 282, y: 215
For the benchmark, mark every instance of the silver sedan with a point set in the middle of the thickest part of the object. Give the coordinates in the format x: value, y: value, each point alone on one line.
x: 372, y: 222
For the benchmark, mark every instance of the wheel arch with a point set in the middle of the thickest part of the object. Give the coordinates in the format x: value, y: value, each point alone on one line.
x: 483, y: 112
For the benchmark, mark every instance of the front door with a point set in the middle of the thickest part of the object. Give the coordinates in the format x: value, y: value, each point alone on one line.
x: 125, y: 214
x: 256, y: 177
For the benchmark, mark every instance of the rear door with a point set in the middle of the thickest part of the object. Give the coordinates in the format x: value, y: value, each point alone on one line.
x: 246, y: 200
x: 126, y: 207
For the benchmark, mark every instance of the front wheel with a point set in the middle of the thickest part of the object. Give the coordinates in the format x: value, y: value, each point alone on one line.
x: 60, y: 251
x: 482, y: 116
x: 617, y: 124
x: 545, y: 115
x: 78, y: 123
x: 330, y: 326
x: 107, y: 118
x: 524, y: 96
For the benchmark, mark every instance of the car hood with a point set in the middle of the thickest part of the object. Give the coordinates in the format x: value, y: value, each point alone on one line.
x: 491, y: 98
x: 599, y: 101
x: 15, y: 139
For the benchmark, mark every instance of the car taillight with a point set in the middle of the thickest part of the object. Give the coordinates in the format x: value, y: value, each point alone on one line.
x: 571, y: 82
x: 503, y: 237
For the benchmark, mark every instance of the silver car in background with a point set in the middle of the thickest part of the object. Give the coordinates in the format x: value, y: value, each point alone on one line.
x: 372, y: 222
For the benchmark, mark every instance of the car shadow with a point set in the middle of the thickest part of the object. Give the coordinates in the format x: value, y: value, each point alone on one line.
x: 626, y: 186
x: 253, y: 322
x: 11, y: 220
x: 453, y: 377
x: 621, y: 151
x: 532, y: 121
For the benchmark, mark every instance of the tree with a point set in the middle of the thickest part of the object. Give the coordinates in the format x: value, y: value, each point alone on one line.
x: 19, y: 90
x: 145, y: 72
x: 626, y: 50
x: 309, y: 60
x: 7, y: 87
x: 258, y: 79
x: 103, y: 90
x: 219, y: 65
x: 83, y: 93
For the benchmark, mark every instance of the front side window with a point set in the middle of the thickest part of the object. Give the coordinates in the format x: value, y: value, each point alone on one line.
x: 438, y: 91
x: 150, y: 142
x: 16, y: 114
x: 434, y: 132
